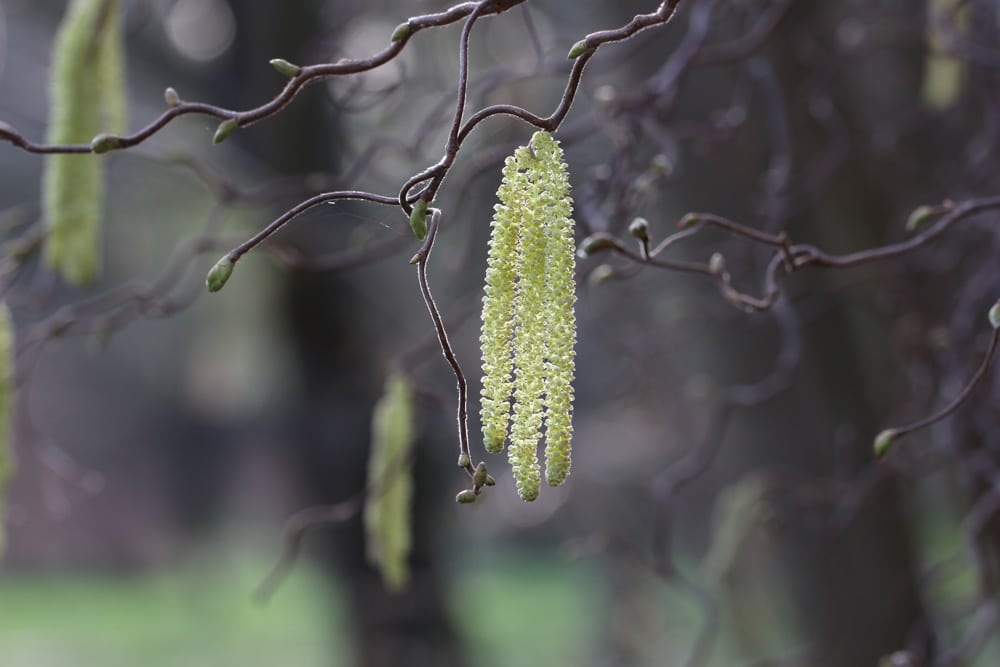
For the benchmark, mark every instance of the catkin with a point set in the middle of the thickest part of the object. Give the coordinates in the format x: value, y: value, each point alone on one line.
x: 87, y: 97
x: 6, y: 404
x: 387, y: 511
x: 497, y: 335
x: 560, y: 318
x: 529, y: 328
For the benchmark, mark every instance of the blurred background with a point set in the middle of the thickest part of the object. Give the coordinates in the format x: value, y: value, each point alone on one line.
x: 724, y: 508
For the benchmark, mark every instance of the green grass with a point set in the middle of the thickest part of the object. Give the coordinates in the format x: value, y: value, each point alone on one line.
x: 522, y: 609
x: 205, y: 618
x: 527, y: 611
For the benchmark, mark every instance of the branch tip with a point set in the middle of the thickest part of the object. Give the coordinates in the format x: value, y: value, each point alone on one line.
x: 219, y: 274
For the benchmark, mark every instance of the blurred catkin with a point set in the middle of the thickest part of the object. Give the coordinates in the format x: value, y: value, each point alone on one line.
x: 387, y: 512
x: 87, y: 97
x: 6, y: 405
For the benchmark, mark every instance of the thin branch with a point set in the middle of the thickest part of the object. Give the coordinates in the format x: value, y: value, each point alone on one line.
x: 462, y: 417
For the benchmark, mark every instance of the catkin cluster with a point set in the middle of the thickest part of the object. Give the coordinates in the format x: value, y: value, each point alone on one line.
x: 529, y: 327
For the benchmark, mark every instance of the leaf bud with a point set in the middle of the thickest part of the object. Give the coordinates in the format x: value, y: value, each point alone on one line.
x: 995, y: 315
x: 285, y: 68
x: 225, y: 128
x: 689, y: 220
x: 883, y: 442
x: 464, y: 461
x: 418, y: 219
x: 639, y: 228
x: 219, y: 274
x: 402, y: 31
x: 479, y: 478
x: 578, y: 50
x: 717, y: 264
x: 103, y: 143
x: 466, y: 497
x: 919, y: 217
x: 596, y: 243
x: 171, y: 97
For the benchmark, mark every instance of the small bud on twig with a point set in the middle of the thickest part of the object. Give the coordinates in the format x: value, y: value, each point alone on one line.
x: 883, y: 442
x: 920, y: 216
x: 995, y: 315
x: 225, y: 128
x: 171, y: 97
x: 578, y: 50
x: 418, y: 219
x: 402, y: 31
x: 464, y: 461
x: 219, y: 274
x: 639, y: 228
x: 103, y: 143
x: 479, y: 478
x: 466, y: 497
x: 717, y: 264
x: 595, y: 243
x: 286, y: 68
x: 689, y: 220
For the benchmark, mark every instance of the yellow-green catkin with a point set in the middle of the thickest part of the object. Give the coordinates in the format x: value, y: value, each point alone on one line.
x: 6, y: 412
x: 387, y: 512
x: 87, y: 97
x: 497, y: 336
x: 529, y: 328
x: 560, y: 318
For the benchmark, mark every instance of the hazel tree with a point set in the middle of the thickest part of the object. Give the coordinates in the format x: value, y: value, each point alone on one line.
x: 682, y: 92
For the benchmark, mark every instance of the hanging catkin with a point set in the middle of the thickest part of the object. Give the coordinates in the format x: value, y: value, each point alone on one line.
x: 389, y: 497
x: 529, y: 327
x: 6, y: 404
x: 86, y: 98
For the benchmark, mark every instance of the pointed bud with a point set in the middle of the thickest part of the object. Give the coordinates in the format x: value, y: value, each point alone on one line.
x: 479, y: 478
x: 464, y: 461
x: 490, y: 481
x: 219, y: 274
x: 689, y: 220
x: 578, y: 50
x: 639, y: 228
x: 919, y: 217
x: 883, y: 442
x: 995, y: 315
x: 466, y: 497
x: 285, y: 68
x: 171, y: 97
x: 103, y: 143
x: 225, y: 128
x: 596, y: 243
x: 717, y: 264
x: 418, y: 219
x: 402, y: 31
